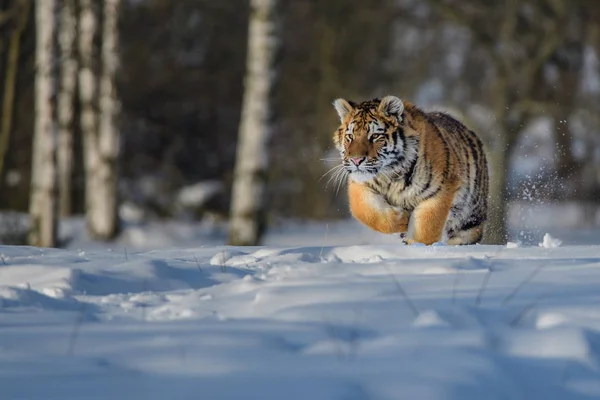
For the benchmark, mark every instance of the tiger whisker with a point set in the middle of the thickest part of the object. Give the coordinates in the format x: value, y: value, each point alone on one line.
x: 337, y: 167
x: 335, y: 176
x: 338, y: 179
x: 331, y: 170
x: 341, y: 181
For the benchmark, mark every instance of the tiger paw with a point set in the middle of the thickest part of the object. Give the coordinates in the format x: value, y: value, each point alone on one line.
x: 403, y: 238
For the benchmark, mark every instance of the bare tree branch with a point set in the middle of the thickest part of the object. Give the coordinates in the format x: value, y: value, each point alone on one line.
x: 533, y: 107
x: 506, y: 37
x: 553, y: 37
x: 453, y: 14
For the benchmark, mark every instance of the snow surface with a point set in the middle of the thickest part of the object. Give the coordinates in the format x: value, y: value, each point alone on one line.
x: 368, y: 319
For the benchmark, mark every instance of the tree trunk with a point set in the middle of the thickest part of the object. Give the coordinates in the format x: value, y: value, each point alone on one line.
x: 248, y: 208
x: 42, y: 208
x: 87, y: 95
x: 66, y: 97
x: 98, y: 133
x: 10, y: 79
x: 103, y: 216
x: 565, y: 96
x: 496, y: 231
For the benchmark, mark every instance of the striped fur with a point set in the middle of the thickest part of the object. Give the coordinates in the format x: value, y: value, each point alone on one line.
x: 420, y: 173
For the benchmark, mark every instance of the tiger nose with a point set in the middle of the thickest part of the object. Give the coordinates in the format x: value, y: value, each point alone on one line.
x: 357, y: 160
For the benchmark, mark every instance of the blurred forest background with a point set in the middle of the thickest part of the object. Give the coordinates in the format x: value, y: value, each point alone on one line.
x: 524, y: 74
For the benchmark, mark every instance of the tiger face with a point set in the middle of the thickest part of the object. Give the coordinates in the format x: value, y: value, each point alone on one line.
x: 370, y: 138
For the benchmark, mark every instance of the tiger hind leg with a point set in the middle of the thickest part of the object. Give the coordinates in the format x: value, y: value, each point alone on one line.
x: 468, y: 236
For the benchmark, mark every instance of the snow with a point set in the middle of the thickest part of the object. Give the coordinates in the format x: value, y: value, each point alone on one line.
x: 549, y: 242
x: 198, y: 194
x: 322, y: 312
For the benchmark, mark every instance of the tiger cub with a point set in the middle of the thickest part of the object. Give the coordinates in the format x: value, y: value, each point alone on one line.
x: 421, y: 174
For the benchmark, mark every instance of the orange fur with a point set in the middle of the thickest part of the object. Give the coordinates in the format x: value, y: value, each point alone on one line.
x: 387, y: 220
x: 430, y: 218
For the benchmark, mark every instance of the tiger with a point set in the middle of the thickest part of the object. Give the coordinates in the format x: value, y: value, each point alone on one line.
x: 421, y: 175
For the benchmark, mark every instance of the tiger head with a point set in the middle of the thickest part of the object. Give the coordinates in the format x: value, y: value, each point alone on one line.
x: 371, y: 137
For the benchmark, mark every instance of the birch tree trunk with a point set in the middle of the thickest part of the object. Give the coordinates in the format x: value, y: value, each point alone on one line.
x: 100, y: 134
x: 87, y: 96
x: 103, y: 216
x: 248, y: 208
x: 66, y: 97
x: 42, y: 207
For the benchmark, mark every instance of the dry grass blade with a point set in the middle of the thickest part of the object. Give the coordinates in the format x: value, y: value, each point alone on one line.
x: 516, y: 290
x: 519, y: 317
x: 407, y: 299
x: 486, y: 279
x: 525, y: 310
x: 455, y: 285
x: 198, y: 264
x: 354, y: 337
x: 222, y: 264
x: 144, y: 305
x: 333, y: 335
x: 76, y: 329
x: 566, y: 374
x: 324, y: 240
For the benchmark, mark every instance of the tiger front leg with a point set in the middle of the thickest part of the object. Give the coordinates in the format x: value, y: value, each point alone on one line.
x: 374, y: 211
x: 429, y: 218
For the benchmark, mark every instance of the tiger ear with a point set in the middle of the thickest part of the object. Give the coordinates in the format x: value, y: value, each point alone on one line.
x: 392, y: 106
x: 343, y: 108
